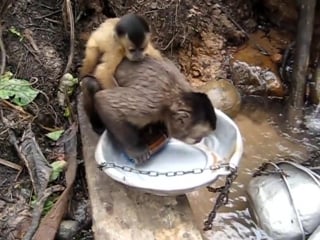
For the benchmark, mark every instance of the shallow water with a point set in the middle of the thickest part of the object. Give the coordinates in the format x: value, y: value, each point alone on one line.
x: 263, y: 141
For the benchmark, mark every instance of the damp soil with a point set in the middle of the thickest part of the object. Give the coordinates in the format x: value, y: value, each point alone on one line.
x: 37, y: 48
x: 40, y: 56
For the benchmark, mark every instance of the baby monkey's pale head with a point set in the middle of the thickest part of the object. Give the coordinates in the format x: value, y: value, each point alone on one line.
x: 133, y: 33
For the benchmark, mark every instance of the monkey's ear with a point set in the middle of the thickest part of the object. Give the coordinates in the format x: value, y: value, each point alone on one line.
x: 201, y: 106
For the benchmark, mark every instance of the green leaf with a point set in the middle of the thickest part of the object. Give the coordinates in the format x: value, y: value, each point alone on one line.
x: 19, y: 91
x: 66, y: 112
x: 55, y: 135
x: 57, y: 168
x: 47, y: 207
x: 7, y: 75
x: 14, y: 31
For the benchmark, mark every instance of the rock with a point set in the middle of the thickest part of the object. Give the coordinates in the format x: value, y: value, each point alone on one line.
x: 276, y: 58
x: 67, y: 229
x: 80, y: 211
x: 223, y: 95
x: 254, y: 79
x: 312, y: 121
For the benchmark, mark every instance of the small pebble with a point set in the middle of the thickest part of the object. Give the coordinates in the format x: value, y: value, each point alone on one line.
x: 67, y: 229
x: 276, y: 58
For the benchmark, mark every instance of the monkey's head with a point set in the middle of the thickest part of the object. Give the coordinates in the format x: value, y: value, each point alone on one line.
x: 133, y: 32
x: 194, y: 120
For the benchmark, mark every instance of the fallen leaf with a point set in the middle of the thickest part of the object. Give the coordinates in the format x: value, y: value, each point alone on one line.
x: 57, y: 168
x: 55, y: 135
x: 19, y: 91
x: 14, y: 31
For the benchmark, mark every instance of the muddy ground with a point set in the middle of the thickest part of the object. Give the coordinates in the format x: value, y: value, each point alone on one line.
x: 39, y: 54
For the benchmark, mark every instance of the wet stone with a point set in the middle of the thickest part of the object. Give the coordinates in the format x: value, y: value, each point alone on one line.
x: 67, y: 229
x: 256, y: 80
x: 81, y: 211
x: 276, y: 58
x: 223, y: 95
x: 313, y: 120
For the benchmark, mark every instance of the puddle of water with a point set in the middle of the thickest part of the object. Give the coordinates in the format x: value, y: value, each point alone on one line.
x: 262, y: 142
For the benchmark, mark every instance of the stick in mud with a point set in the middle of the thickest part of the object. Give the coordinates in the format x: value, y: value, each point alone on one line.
x: 301, y: 62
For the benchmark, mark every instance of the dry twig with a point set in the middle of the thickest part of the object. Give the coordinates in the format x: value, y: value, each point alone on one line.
x: 36, y: 215
x: 67, y: 4
x: 3, y: 8
x: 15, y: 107
x: 10, y: 164
x: 3, y: 53
x: 28, y: 115
x: 301, y: 61
x: 68, y: 7
x: 51, y: 222
x: 13, y: 166
x: 28, y: 35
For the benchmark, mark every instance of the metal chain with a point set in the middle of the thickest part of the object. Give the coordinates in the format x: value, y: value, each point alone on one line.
x: 156, y: 173
x: 222, y: 198
x: 263, y: 170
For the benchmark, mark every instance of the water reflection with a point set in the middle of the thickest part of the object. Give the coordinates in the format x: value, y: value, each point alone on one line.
x: 236, y: 225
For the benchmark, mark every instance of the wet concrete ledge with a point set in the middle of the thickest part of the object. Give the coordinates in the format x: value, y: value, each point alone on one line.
x: 123, y: 213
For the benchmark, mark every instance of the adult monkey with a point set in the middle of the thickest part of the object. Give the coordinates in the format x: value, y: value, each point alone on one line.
x: 149, y: 92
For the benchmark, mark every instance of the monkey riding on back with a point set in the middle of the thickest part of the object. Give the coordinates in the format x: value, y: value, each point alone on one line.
x: 115, y: 39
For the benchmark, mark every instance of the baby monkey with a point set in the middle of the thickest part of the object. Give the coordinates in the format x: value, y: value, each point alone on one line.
x: 150, y: 92
x: 115, y: 39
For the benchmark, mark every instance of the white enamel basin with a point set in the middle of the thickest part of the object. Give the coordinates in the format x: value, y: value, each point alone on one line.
x: 223, y: 146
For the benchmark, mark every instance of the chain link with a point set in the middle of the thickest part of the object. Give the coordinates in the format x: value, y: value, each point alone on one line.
x: 263, y: 170
x: 156, y: 173
x: 222, y: 198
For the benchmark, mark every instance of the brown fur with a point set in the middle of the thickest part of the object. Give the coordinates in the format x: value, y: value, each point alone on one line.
x: 153, y: 91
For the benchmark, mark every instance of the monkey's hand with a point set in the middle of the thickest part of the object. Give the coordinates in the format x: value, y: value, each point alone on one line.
x: 139, y: 156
